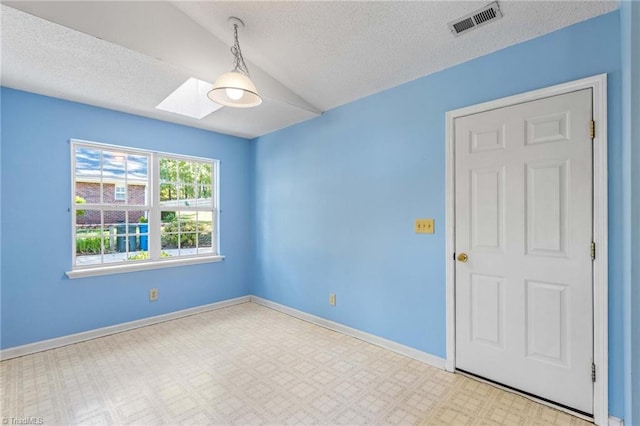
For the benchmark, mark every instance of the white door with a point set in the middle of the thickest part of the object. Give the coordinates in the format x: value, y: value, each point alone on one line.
x: 523, y: 218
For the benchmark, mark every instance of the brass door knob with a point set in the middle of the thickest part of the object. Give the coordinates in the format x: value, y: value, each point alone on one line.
x: 462, y: 257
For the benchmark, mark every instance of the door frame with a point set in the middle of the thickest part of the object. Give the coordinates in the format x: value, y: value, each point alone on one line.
x: 598, y: 84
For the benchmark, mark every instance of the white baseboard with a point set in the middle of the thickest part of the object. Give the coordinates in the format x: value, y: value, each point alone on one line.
x: 614, y: 421
x: 370, y: 338
x: 57, y: 342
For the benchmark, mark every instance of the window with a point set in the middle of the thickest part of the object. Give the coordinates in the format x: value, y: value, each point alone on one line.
x: 186, y: 205
x: 135, y: 209
x: 119, y: 193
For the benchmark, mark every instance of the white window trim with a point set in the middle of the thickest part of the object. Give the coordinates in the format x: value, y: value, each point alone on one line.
x: 140, y: 266
x: 156, y: 262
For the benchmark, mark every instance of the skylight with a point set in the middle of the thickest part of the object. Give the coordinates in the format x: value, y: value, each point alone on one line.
x: 190, y: 99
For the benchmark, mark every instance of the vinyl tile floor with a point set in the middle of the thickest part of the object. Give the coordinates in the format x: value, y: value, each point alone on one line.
x: 248, y: 365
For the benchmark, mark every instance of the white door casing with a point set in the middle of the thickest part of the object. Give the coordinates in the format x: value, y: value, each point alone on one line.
x: 523, y: 217
x: 536, y: 334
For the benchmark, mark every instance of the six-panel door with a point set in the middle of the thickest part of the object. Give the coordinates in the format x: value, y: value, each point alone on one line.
x: 524, y: 217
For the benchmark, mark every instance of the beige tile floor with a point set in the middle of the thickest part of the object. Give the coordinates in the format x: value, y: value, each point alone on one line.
x: 248, y: 364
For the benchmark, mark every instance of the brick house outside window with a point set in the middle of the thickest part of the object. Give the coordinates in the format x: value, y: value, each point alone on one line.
x: 90, y: 191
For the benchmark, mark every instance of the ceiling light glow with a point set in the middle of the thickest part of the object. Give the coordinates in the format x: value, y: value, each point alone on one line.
x: 234, y: 94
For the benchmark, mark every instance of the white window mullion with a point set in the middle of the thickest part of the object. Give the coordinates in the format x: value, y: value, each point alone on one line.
x: 101, y: 200
x: 102, y: 227
x: 126, y: 181
x: 154, y: 212
x: 73, y: 205
x: 215, y: 201
x: 123, y: 207
x: 215, y: 239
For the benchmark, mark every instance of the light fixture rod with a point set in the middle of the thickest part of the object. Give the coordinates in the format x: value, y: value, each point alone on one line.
x: 238, y: 62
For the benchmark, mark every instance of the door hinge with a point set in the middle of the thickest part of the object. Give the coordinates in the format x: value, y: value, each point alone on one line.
x: 593, y: 250
x: 592, y: 129
x: 593, y: 372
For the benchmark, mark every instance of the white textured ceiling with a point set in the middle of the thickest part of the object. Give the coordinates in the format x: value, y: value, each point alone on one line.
x: 305, y: 57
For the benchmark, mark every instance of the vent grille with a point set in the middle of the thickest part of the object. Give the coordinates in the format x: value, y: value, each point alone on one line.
x: 463, y: 25
x: 483, y: 16
x: 476, y: 19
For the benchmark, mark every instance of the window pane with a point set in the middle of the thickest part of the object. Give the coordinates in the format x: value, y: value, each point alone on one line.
x: 167, y: 217
x: 113, y: 165
x: 91, y: 239
x: 123, y: 232
x: 204, y: 242
x: 137, y: 194
x: 87, y: 175
x: 187, y: 240
x: 187, y: 172
x: 187, y: 243
x: 205, y: 232
x: 87, y: 192
x: 205, y: 174
x: 137, y: 167
x: 86, y: 217
x: 87, y: 164
x: 169, y: 244
x: 110, y: 193
x: 204, y: 198
x: 143, y: 232
x: 205, y: 221
x: 170, y: 230
x: 188, y: 195
x: 187, y: 220
x: 168, y: 170
x: 137, y: 179
x: 168, y: 194
x: 139, y: 228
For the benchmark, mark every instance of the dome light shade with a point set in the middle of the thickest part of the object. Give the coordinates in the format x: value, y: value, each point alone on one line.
x: 235, y: 89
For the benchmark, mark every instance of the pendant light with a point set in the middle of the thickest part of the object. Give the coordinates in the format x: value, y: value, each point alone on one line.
x: 235, y: 88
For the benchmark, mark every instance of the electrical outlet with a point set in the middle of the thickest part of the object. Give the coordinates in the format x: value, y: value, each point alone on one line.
x: 153, y: 294
x: 332, y: 299
x: 424, y: 226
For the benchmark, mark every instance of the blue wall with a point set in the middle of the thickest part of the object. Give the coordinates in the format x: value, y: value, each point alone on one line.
x: 38, y: 301
x: 336, y: 196
x: 630, y: 41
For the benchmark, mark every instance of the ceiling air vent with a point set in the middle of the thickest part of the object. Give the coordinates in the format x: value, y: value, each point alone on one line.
x: 489, y: 13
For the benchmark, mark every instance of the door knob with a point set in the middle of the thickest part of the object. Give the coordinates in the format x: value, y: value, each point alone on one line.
x: 462, y: 257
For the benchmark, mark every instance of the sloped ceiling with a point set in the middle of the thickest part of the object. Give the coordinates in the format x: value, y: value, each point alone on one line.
x: 305, y: 57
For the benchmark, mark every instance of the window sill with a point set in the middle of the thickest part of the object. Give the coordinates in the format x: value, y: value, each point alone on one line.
x: 142, y: 266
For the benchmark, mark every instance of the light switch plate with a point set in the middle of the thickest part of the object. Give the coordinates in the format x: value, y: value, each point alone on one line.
x: 424, y: 226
